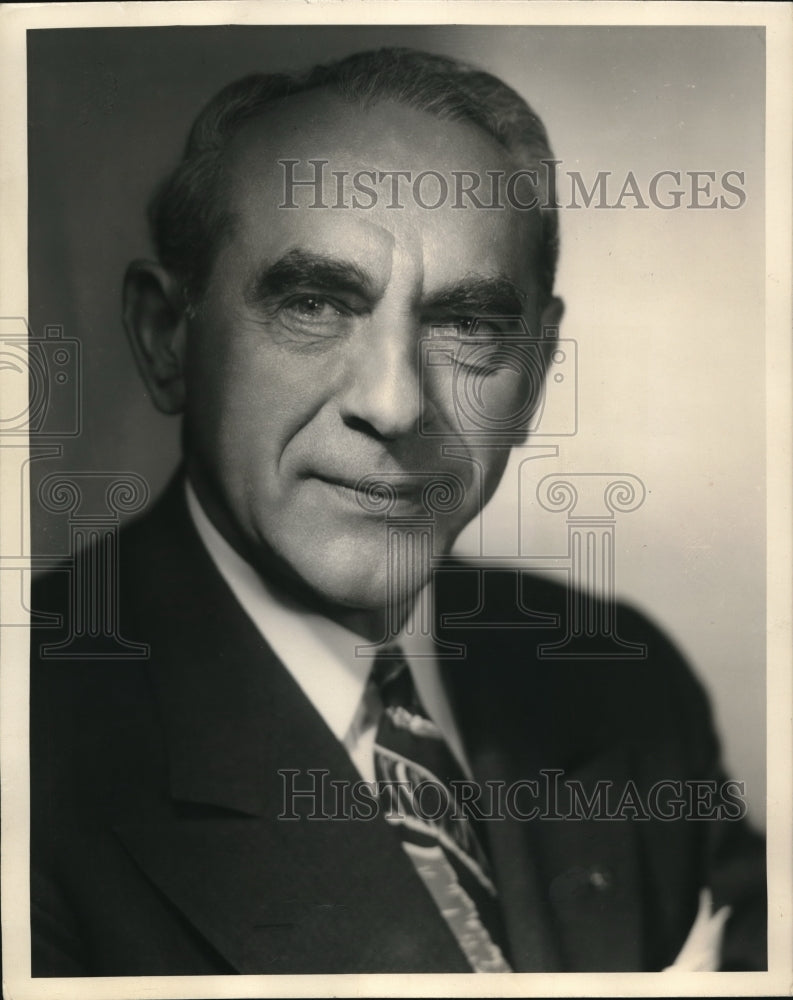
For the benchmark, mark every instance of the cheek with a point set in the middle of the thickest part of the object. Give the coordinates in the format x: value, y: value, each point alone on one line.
x: 243, y: 391
x: 486, y: 414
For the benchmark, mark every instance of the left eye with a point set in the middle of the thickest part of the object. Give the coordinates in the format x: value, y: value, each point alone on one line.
x: 479, y: 326
x: 464, y: 324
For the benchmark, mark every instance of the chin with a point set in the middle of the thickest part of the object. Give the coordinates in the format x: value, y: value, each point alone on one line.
x: 359, y: 579
x: 353, y: 584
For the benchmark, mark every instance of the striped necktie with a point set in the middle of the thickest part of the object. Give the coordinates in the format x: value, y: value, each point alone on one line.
x: 416, y: 775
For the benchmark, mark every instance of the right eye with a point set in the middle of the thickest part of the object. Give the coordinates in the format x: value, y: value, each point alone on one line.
x: 314, y: 314
x: 314, y: 308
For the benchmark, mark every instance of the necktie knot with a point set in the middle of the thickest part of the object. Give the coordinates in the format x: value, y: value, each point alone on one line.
x: 392, y: 678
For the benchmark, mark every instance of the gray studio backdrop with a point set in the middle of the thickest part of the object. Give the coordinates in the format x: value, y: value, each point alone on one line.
x: 665, y: 307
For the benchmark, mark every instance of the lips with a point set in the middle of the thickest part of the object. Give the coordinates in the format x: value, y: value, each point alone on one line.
x: 402, y: 483
x: 401, y: 487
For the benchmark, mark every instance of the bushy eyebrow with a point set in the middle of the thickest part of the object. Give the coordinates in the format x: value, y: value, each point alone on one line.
x: 301, y: 268
x: 477, y: 295
x: 474, y: 295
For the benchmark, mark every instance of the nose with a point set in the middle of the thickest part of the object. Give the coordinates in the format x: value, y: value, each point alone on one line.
x: 382, y: 393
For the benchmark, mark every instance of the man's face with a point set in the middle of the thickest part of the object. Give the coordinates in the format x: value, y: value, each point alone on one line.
x: 303, y: 364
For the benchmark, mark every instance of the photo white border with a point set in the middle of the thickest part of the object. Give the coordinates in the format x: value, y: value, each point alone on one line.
x: 778, y: 22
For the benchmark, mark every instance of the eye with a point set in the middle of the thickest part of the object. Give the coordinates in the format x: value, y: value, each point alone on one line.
x: 312, y: 308
x: 314, y: 317
x: 482, y: 326
x: 464, y: 324
x: 487, y: 344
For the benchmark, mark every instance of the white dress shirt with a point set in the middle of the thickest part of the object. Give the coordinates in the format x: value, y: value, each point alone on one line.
x: 321, y: 655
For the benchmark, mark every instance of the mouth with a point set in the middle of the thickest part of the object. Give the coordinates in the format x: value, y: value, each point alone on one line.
x: 375, y: 494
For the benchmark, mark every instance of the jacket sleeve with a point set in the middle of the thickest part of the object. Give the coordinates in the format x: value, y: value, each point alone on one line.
x: 733, y: 852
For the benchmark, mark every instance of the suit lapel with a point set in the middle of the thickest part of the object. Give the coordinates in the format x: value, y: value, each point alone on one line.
x: 512, y: 850
x: 318, y: 897
x: 270, y: 894
x: 570, y: 889
x: 492, y: 740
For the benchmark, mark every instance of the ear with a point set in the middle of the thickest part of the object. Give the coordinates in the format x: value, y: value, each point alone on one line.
x: 550, y: 319
x: 551, y: 315
x: 155, y: 321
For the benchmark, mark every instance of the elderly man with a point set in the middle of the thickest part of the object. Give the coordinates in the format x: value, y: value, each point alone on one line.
x: 299, y: 778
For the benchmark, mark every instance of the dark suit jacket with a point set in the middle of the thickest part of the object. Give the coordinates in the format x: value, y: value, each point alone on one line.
x: 156, y: 843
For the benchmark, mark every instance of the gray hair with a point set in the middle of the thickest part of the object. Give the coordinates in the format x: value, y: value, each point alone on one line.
x: 187, y: 216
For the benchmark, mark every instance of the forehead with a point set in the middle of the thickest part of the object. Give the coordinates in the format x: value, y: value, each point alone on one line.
x: 363, y: 148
